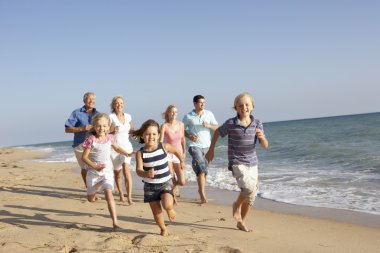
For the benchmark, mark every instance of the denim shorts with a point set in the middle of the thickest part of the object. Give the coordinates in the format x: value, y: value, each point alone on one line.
x: 152, y: 192
x: 198, y: 162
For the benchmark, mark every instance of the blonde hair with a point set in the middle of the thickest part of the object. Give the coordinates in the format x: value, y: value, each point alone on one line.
x: 241, y: 95
x: 165, y: 114
x: 88, y: 94
x: 114, y: 102
x: 99, y: 116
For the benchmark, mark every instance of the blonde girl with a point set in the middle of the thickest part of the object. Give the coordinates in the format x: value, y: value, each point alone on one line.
x: 97, y: 157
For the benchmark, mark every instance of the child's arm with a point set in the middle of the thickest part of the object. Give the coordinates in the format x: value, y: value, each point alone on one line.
x: 86, y: 160
x: 210, y: 153
x: 176, y: 152
x: 139, y: 167
x: 263, y: 140
x: 120, y: 150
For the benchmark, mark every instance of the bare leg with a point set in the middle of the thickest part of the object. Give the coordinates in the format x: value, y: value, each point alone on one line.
x: 179, y: 180
x: 158, y: 217
x: 119, y: 187
x: 167, y: 204
x: 84, y: 174
x: 240, y: 210
x: 201, y: 180
x: 111, y: 207
x: 128, y: 181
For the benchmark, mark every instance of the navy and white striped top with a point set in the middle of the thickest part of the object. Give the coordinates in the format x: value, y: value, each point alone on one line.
x: 241, y: 141
x: 158, y: 160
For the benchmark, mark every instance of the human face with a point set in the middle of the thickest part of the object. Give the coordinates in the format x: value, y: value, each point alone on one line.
x: 89, y: 101
x: 102, y: 127
x: 172, y: 114
x: 151, y: 136
x: 119, y: 105
x: 244, y: 106
x: 199, y: 105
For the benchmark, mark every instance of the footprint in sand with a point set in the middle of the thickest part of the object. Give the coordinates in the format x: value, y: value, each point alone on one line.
x: 116, y: 242
x: 228, y: 249
x: 154, y: 240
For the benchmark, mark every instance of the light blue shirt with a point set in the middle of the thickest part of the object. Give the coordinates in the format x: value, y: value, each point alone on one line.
x: 193, y: 125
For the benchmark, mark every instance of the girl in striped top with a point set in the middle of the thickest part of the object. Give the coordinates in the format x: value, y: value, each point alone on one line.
x: 152, y: 166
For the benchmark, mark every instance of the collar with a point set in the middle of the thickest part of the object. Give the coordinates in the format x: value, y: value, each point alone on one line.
x: 237, y: 121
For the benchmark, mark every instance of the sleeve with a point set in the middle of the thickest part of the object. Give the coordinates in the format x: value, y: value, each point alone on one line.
x: 128, y: 117
x: 212, y: 119
x: 223, y: 129
x: 111, y: 138
x: 259, y: 125
x: 88, y: 142
x: 72, y: 120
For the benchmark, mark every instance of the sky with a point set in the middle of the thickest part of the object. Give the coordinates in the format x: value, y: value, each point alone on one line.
x: 298, y: 59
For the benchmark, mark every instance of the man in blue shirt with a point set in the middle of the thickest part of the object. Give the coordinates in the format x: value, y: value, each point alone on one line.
x: 199, y: 124
x: 79, y: 123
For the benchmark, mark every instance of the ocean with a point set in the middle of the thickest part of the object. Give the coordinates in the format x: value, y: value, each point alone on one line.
x: 331, y: 162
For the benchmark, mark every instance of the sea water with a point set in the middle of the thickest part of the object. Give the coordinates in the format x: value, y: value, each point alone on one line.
x: 331, y: 162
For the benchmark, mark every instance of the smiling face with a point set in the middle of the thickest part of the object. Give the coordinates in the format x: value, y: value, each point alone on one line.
x: 102, y: 126
x: 89, y: 100
x: 172, y: 113
x: 244, y: 106
x: 151, y: 136
x: 118, y: 105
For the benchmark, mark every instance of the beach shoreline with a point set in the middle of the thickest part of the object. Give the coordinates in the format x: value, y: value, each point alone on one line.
x: 48, y: 199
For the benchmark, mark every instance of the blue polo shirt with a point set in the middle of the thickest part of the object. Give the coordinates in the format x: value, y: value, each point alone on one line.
x: 79, y: 118
x: 193, y: 125
x: 241, y: 141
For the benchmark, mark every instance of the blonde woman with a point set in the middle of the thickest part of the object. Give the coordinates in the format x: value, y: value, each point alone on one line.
x: 121, y: 125
x: 173, y: 132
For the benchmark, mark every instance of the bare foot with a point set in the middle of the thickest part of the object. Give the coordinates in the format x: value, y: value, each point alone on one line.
x: 96, y: 198
x: 116, y: 227
x: 236, y: 212
x: 203, y: 201
x: 130, y: 201
x: 122, y: 199
x: 171, y: 214
x: 240, y: 225
x: 164, y: 232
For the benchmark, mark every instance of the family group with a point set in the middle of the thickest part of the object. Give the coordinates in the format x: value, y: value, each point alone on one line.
x: 103, y: 148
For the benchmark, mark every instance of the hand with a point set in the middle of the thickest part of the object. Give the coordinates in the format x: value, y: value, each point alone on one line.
x: 209, y: 156
x: 193, y: 137
x: 150, y: 173
x: 205, y: 124
x: 259, y: 134
x: 117, y: 128
x: 99, y: 166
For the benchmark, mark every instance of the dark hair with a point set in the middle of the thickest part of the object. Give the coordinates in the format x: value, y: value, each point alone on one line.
x: 197, y: 97
x: 136, y: 134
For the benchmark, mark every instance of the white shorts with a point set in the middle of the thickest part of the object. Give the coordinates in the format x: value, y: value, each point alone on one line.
x: 173, y: 158
x: 78, y: 150
x: 118, y: 161
x: 247, y: 180
x: 97, y: 183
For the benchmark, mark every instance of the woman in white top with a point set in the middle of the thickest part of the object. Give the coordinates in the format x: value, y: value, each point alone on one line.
x: 121, y: 124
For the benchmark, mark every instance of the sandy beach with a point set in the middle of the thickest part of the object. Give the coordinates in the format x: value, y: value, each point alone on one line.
x: 44, y: 209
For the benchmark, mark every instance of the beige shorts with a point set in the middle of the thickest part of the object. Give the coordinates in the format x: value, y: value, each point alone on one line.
x: 78, y: 150
x: 247, y: 180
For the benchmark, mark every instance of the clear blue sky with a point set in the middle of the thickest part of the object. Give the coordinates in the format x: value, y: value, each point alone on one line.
x: 299, y: 59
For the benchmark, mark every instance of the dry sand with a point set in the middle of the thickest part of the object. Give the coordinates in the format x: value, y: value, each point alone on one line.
x: 43, y: 208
